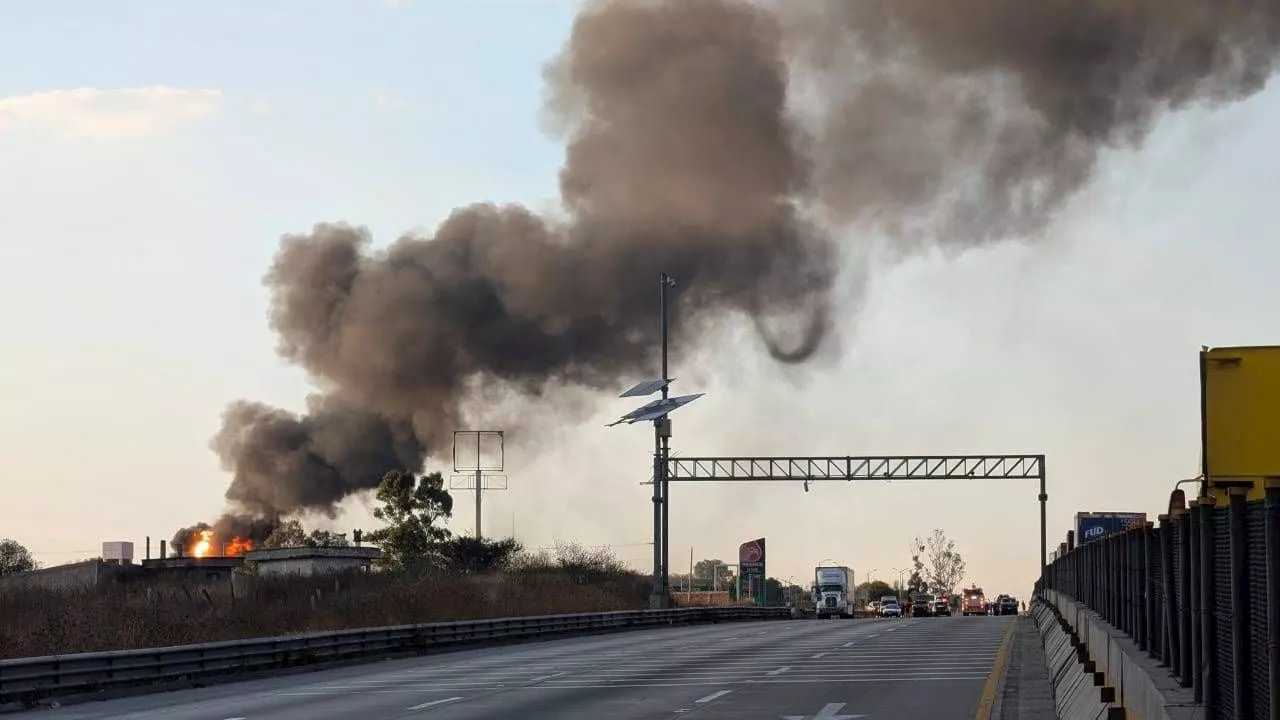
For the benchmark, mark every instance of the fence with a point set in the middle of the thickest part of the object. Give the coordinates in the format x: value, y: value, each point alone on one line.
x: 1199, y: 592
x: 28, y: 679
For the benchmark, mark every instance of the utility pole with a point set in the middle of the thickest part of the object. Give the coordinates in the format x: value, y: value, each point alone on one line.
x: 479, y: 488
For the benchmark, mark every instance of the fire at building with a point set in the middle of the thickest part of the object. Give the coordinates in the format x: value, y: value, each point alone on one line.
x: 207, y: 544
x: 229, y: 536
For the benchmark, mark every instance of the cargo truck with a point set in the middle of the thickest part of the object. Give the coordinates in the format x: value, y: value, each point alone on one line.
x: 1092, y: 526
x: 833, y: 589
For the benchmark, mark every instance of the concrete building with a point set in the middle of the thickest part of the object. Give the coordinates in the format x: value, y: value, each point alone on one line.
x: 71, y: 576
x: 193, y: 569
x: 116, y: 562
x: 311, y: 560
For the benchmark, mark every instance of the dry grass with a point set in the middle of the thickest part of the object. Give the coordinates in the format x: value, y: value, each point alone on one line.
x: 37, y: 622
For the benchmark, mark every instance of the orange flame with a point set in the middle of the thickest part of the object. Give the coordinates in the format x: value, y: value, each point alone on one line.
x: 238, y: 546
x: 204, y: 545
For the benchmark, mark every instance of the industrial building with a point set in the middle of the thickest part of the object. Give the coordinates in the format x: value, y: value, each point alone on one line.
x: 308, y: 561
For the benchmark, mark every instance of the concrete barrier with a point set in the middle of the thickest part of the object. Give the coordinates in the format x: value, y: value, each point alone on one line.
x: 1140, y: 685
x: 1079, y: 692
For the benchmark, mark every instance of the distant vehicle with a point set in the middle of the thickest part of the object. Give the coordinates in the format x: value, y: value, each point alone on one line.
x: 1008, y: 605
x: 974, y: 603
x: 942, y: 606
x: 833, y: 592
x: 922, y: 605
x: 889, y: 606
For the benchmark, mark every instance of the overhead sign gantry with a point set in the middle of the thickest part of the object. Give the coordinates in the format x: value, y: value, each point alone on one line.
x: 805, y: 469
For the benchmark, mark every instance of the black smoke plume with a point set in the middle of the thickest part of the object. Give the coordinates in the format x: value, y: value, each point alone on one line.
x: 691, y: 151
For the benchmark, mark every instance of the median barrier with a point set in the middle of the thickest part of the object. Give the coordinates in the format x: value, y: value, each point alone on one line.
x: 26, y: 681
x: 1079, y: 691
x: 1141, y: 686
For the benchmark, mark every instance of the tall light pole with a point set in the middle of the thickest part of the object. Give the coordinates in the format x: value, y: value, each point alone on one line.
x: 658, y: 411
x: 901, y: 574
x: 662, y: 431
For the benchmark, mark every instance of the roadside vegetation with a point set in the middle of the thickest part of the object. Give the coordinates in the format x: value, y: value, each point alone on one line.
x: 424, y: 575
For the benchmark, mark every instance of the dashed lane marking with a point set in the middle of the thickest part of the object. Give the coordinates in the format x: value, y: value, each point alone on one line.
x: 779, y: 671
x: 713, y: 696
x: 433, y: 703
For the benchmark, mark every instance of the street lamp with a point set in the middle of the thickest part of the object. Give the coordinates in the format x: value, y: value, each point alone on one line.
x: 901, y: 573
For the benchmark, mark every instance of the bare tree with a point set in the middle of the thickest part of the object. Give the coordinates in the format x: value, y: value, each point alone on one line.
x: 917, y: 583
x: 945, y: 566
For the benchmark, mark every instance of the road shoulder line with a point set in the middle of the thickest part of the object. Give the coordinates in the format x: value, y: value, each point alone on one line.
x: 997, y: 671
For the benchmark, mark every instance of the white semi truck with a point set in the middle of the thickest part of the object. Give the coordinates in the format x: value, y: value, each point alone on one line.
x: 833, y: 590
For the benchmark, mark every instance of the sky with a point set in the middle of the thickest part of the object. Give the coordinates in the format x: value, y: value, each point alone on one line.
x: 152, y: 155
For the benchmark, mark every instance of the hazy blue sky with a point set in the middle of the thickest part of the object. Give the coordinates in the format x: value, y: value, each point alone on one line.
x: 152, y: 154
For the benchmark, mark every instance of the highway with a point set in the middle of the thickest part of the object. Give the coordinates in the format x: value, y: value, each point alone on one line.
x: 934, y: 668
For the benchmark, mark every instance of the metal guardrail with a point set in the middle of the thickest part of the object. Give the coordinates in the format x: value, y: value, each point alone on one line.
x: 29, y: 679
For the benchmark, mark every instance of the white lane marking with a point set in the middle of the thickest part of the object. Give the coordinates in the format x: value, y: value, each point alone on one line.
x: 779, y: 671
x: 235, y: 718
x: 433, y: 703
x: 817, y: 655
x: 851, y: 643
x: 713, y: 696
x: 547, y: 677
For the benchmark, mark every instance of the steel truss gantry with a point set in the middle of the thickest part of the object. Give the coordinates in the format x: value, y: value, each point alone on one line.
x: 888, y: 467
x: 866, y: 468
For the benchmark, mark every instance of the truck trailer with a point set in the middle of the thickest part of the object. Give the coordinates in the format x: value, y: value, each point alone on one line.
x: 1092, y: 526
x: 833, y: 590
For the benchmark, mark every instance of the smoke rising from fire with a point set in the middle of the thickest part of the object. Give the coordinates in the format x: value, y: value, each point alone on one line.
x: 689, y: 150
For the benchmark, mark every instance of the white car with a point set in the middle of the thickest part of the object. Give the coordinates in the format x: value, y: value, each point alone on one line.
x: 890, y: 609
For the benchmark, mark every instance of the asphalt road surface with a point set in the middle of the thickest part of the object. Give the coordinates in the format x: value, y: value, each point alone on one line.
x: 933, y: 668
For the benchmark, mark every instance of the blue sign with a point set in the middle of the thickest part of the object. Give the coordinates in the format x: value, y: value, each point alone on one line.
x: 1095, y: 526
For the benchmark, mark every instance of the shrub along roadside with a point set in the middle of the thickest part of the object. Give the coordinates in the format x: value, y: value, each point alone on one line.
x: 37, y: 622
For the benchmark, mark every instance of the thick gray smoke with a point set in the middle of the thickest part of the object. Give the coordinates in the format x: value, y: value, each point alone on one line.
x: 936, y: 120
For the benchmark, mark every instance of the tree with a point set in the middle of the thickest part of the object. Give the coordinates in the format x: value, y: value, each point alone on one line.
x: 326, y: 538
x: 291, y: 534
x: 876, y: 589
x: 470, y: 555
x: 946, y: 567
x: 412, y: 509
x: 14, y: 558
x: 916, y: 583
x: 286, y: 534
x: 712, y: 574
